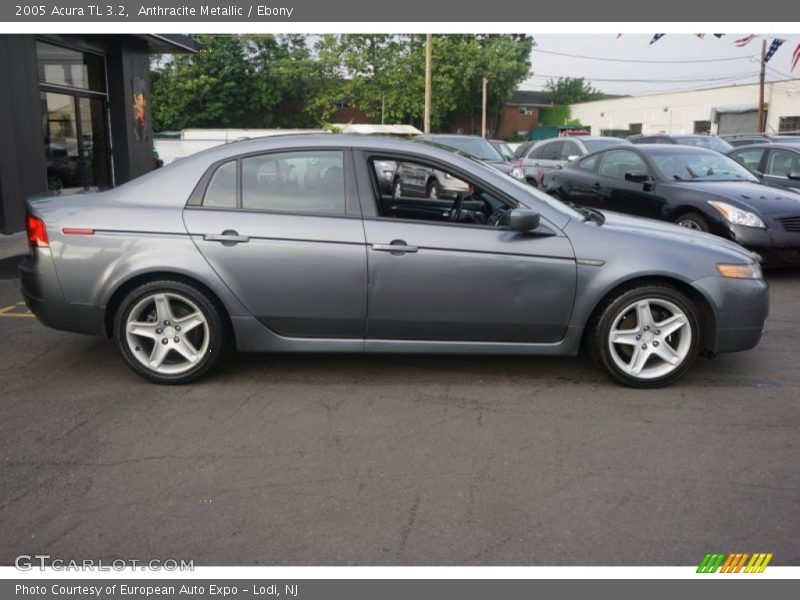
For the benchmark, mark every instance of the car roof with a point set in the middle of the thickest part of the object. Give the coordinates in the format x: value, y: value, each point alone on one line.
x: 671, y: 149
x: 448, y: 136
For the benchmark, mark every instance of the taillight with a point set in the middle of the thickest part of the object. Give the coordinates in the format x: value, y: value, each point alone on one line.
x: 37, y: 232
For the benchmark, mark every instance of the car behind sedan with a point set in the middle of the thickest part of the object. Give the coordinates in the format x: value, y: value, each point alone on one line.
x: 221, y: 251
x: 693, y: 187
x: 776, y: 163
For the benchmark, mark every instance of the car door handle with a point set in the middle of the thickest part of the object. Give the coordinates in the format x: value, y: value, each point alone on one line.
x: 596, y: 186
x: 398, y: 246
x: 227, y: 236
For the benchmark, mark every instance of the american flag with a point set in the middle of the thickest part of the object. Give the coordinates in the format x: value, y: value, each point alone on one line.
x: 796, y: 57
x: 657, y: 37
x: 773, y: 48
x: 718, y: 35
x: 742, y: 42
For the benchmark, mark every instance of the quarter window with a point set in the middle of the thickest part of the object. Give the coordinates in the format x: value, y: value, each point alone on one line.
x: 221, y: 190
x: 589, y: 163
x: 305, y: 182
x: 619, y: 162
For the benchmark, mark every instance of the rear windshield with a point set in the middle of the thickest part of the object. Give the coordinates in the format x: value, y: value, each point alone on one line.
x: 594, y: 145
x: 472, y: 146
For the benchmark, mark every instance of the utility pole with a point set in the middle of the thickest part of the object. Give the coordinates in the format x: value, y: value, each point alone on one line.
x: 428, y: 61
x: 761, y: 87
x: 383, y: 107
x: 483, y: 109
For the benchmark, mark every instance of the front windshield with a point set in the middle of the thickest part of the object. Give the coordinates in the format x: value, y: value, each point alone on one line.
x: 473, y: 146
x: 700, y: 166
x: 712, y: 142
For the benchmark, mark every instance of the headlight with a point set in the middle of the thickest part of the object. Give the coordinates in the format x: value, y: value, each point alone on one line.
x: 750, y: 271
x: 517, y: 173
x: 737, y: 216
x: 448, y: 176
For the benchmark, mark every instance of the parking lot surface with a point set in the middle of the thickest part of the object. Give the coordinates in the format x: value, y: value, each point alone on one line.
x: 416, y: 460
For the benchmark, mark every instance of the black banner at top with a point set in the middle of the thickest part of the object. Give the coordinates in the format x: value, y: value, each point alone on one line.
x: 272, y: 11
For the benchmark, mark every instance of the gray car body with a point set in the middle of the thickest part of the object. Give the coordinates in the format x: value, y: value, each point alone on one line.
x: 313, y: 283
x: 553, y: 153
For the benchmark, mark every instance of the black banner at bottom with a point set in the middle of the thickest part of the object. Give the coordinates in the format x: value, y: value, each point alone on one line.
x: 389, y: 589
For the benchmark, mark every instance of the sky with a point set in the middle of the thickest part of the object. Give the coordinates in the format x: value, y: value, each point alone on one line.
x: 650, y: 76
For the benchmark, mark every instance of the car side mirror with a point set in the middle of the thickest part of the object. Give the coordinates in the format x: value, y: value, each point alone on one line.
x: 523, y: 219
x: 572, y: 157
x: 794, y: 175
x: 637, y: 177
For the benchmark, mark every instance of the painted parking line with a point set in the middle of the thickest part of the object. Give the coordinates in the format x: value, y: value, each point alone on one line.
x: 16, y: 311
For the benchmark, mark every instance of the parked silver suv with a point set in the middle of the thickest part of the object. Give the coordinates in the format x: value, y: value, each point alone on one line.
x: 414, y: 179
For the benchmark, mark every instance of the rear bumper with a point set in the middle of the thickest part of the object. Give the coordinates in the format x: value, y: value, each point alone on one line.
x: 42, y: 293
x: 742, y: 306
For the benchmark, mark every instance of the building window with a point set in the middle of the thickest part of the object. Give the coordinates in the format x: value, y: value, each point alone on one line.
x: 789, y: 125
x: 620, y: 133
x: 526, y: 111
x: 702, y: 127
x: 635, y: 128
x: 69, y: 68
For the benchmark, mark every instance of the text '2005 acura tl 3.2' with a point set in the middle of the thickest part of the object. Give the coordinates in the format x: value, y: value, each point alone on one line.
x: 290, y: 244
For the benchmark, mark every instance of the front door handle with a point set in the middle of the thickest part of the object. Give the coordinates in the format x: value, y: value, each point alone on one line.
x: 395, y: 247
x: 227, y: 237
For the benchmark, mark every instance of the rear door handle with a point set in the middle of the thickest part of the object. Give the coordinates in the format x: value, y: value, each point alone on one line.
x: 398, y: 246
x: 596, y: 186
x: 226, y: 237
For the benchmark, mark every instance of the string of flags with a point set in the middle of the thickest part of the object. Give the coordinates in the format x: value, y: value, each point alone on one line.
x: 741, y: 42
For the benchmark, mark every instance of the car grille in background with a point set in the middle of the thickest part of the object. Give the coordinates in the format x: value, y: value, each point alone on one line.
x: 790, y: 223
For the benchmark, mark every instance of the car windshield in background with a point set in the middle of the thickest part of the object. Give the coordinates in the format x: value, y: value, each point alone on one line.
x: 475, y: 147
x: 703, y: 166
x: 595, y: 145
x: 714, y: 143
x: 505, y: 150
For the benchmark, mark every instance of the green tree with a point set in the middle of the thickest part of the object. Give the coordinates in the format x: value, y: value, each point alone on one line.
x: 571, y: 90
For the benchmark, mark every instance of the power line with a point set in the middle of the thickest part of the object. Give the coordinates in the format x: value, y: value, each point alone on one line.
x: 633, y: 60
x: 726, y: 78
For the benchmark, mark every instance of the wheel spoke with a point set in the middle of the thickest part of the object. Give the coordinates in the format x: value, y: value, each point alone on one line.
x: 667, y: 353
x: 639, y: 358
x: 644, y: 316
x: 163, y: 309
x: 189, y: 322
x: 671, y: 325
x: 187, y: 350
x: 158, y: 355
x: 141, y: 329
x: 625, y: 336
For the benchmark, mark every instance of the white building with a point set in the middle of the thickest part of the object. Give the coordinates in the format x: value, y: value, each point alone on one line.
x: 730, y: 109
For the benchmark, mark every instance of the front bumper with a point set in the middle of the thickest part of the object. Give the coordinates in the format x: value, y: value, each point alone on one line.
x: 776, y: 247
x: 42, y: 293
x: 741, y: 309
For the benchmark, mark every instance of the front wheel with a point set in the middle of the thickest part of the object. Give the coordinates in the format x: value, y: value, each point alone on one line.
x: 169, y: 332
x: 647, y: 336
x: 692, y: 220
x: 433, y: 191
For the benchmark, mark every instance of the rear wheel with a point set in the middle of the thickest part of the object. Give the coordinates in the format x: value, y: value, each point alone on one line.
x: 647, y: 336
x: 397, y: 189
x: 692, y: 220
x: 169, y: 332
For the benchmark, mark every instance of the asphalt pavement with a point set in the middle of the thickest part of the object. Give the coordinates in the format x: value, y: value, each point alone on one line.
x: 386, y: 460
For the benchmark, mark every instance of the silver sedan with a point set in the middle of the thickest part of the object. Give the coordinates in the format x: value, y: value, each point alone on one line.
x: 291, y: 244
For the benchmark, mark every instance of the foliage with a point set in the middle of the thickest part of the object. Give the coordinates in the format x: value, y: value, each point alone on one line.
x: 571, y: 90
x: 554, y: 116
x: 283, y: 81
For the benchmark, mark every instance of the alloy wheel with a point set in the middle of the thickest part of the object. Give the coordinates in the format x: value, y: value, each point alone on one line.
x: 650, y: 338
x: 167, y: 333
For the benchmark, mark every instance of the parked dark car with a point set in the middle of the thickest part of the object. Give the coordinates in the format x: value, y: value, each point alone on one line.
x: 693, y: 187
x: 745, y: 139
x: 776, y: 164
x: 205, y: 255
x: 476, y: 147
x: 540, y: 157
x: 704, y: 141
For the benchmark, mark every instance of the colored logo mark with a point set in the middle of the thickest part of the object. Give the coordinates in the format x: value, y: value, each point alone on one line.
x: 735, y: 563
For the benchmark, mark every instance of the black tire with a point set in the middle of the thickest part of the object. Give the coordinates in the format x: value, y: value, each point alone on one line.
x: 600, y: 331
x: 692, y: 220
x: 218, y: 333
x: 433, y: 187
